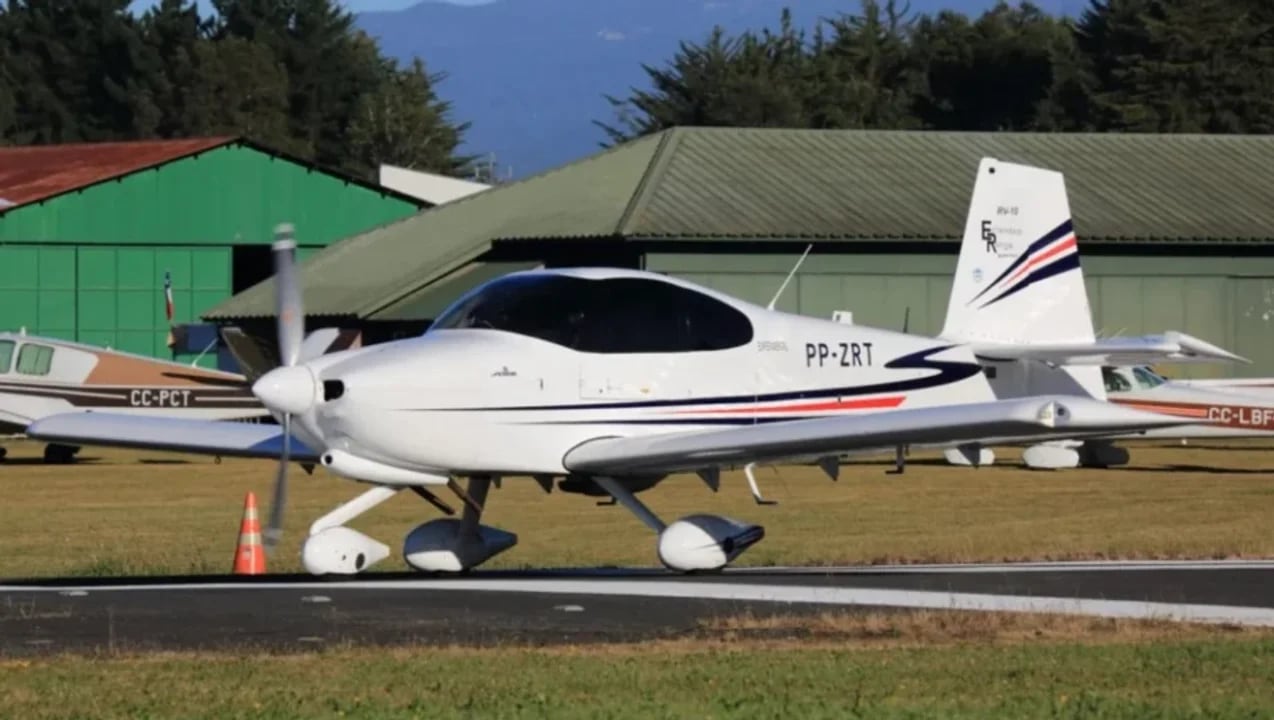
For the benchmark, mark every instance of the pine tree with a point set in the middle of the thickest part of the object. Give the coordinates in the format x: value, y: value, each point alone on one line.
x: 1181, y: 65
x: 241, y: 89
x: 993, y: 73
x: 173, y: 29
x: 403, y: 122
x: 867, y: 75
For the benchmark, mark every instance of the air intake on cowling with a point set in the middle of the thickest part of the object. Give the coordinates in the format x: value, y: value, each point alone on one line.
x: 332, y: 389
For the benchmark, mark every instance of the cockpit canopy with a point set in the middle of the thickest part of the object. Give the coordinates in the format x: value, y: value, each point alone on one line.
x: 1123, y: 379
x: 605, y: 315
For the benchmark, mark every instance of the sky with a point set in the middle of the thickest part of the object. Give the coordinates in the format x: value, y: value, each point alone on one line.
x: 354, y: 5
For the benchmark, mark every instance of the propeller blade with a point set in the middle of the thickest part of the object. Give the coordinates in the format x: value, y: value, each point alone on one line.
x: 291, y: 316
x: 274, y: 531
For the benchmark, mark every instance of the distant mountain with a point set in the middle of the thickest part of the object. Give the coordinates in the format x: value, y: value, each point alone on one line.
x: 530, y: 75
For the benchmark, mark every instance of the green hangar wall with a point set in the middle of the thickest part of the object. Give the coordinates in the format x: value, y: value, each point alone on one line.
x: 1175, y: 231
x: 88, y: 231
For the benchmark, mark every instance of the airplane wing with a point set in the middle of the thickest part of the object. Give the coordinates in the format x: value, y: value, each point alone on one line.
x: 1170, y: 347
x: 209, y: 437
x: 1001, y: 420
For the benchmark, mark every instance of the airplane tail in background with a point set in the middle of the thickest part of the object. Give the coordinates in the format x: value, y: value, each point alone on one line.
x: 1018, y: 279
x: 1018, y: 283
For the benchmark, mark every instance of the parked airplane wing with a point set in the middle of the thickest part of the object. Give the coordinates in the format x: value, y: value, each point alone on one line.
x: 1170, y: 347
x: 209, y: 437
x: 1038, y: 417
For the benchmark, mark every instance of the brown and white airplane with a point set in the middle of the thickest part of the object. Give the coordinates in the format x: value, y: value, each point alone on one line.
x: 42, y: 376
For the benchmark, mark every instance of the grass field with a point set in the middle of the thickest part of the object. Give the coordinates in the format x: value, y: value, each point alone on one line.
x: 125, y: 512
x: 926, y: 665
x: 128, y: 512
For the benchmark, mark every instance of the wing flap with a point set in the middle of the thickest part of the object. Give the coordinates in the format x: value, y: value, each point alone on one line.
x: 1001, y: 421
x: 207, y: 437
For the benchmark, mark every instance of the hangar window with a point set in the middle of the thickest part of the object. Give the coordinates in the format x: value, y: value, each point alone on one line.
x: 35, y: 359
x: 1115, y: 381
x: 613, y: 315
x: 6, y: 355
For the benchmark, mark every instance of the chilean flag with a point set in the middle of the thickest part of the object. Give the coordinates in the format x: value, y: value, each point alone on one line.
x: 168, y: 296
x: 171, y: 341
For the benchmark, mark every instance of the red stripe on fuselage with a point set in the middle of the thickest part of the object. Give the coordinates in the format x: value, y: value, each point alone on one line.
x: 891, y: 401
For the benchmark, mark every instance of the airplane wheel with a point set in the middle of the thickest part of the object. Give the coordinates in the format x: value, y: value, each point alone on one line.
x: 59, y: 454
x: 3, y: 453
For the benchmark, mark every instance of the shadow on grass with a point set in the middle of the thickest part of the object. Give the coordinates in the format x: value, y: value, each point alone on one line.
x: 29, y: 461
x: 1195, y: 469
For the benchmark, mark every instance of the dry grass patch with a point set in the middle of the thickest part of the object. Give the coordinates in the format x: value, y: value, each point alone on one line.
x: 947, y: 627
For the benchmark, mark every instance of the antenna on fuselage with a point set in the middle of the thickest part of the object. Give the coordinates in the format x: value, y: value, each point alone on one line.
x: 788, y: 279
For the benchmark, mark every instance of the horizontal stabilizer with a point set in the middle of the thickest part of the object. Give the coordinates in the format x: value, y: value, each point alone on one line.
x: 206, y: 437
x: 1170, y: 347
x: 1042, y: 417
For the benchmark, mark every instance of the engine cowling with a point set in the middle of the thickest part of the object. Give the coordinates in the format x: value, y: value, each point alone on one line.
x: 442, y: 546
x: 705, y: 542
x: 341, y: 551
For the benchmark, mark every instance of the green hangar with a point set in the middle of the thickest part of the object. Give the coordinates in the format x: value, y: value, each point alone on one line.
x: 88, y: 231
x: 1176, y: 231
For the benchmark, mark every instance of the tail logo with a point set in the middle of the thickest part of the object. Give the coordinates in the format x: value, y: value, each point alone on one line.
x: 1053, y: 254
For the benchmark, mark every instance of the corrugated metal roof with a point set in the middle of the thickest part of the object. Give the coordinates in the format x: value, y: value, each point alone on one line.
x: 837, y: 185
x: 36, y: 172
x: 375, y: 270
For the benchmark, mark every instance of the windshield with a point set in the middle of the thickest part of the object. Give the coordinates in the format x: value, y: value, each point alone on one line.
x: 613, y: 315
x: 1146, y: 378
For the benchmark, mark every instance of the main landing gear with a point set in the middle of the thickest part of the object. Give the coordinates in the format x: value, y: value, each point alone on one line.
x: 55, y: 454
x: 1054, y: 455
x: 695, y: 542
x: 1050, y: 455
x: 442, y: 545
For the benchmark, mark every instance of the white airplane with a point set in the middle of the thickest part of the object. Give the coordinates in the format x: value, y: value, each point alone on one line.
x: 42, y: 376
x: 1018, y: 300
x: 1221, y: 408
x: 606, y: 381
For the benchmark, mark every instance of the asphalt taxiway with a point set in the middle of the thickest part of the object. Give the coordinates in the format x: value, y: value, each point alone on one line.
x: 587, y: 606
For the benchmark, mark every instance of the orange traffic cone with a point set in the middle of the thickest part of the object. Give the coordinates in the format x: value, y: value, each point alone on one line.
x: 249, y: 555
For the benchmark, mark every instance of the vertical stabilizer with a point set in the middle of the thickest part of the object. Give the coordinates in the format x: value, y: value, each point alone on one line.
x: 1018, y: 279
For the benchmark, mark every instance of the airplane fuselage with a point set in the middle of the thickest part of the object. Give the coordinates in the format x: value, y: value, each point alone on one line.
x: 417, y: 402
x: 1230, y: 411
x: 484, y: 400
x: 40, y: 377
